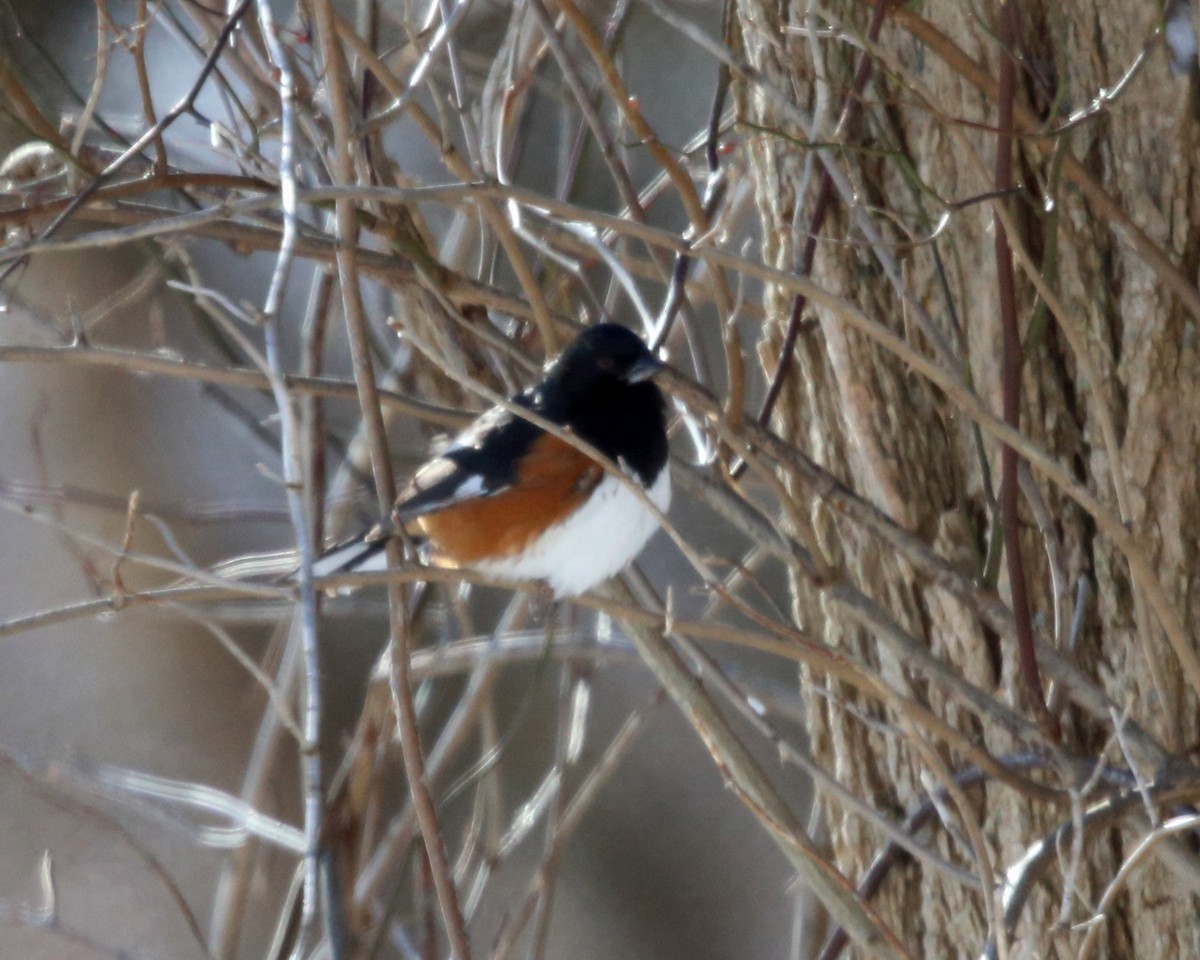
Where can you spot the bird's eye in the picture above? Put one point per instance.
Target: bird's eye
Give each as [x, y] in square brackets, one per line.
[605, 363]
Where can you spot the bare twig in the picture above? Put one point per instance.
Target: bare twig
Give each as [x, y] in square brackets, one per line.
[850, 111]
[1013, 359]
[182, 107]
[410, 743]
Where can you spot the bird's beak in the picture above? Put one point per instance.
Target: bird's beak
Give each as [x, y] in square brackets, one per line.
[644, 369]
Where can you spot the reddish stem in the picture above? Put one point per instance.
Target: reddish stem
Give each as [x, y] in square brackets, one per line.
[1013, 358]
[850, 112]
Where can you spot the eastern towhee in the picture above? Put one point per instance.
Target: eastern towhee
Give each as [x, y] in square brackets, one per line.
[508, 499]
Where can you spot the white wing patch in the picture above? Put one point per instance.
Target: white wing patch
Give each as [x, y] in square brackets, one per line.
[430, 489]
[593, 543]
[474, 435]
[471, 487]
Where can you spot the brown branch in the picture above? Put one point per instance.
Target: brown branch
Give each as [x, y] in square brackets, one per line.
[385, 487]
[1168, 272]
[137, 50]
[1012, 362]
[118, 359]
[534, 305]
[183, 106]
[26, 110]
[850, 111]
[745, 776]
[984, 604]
[1173, 788]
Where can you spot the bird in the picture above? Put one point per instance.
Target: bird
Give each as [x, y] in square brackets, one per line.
[508, 499]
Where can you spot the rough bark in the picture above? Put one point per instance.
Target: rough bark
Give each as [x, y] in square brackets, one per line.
[928, 127]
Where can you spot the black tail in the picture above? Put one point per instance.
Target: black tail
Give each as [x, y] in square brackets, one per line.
[351, 556]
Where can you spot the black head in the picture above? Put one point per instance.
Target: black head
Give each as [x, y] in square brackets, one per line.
[601, 388]
[604, 355]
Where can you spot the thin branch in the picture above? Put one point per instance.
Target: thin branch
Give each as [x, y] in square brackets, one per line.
[747, 779]
[45, 786]
[850, 111]
[183, 106]
[1183, 823]
[1168, 272]
[364, 376]
[1013, 358]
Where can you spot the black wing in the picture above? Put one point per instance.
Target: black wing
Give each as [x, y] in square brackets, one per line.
[479, 462]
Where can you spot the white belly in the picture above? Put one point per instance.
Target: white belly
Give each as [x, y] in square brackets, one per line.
[591, 545]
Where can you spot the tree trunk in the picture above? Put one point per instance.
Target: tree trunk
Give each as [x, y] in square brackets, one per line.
[1106, 209]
